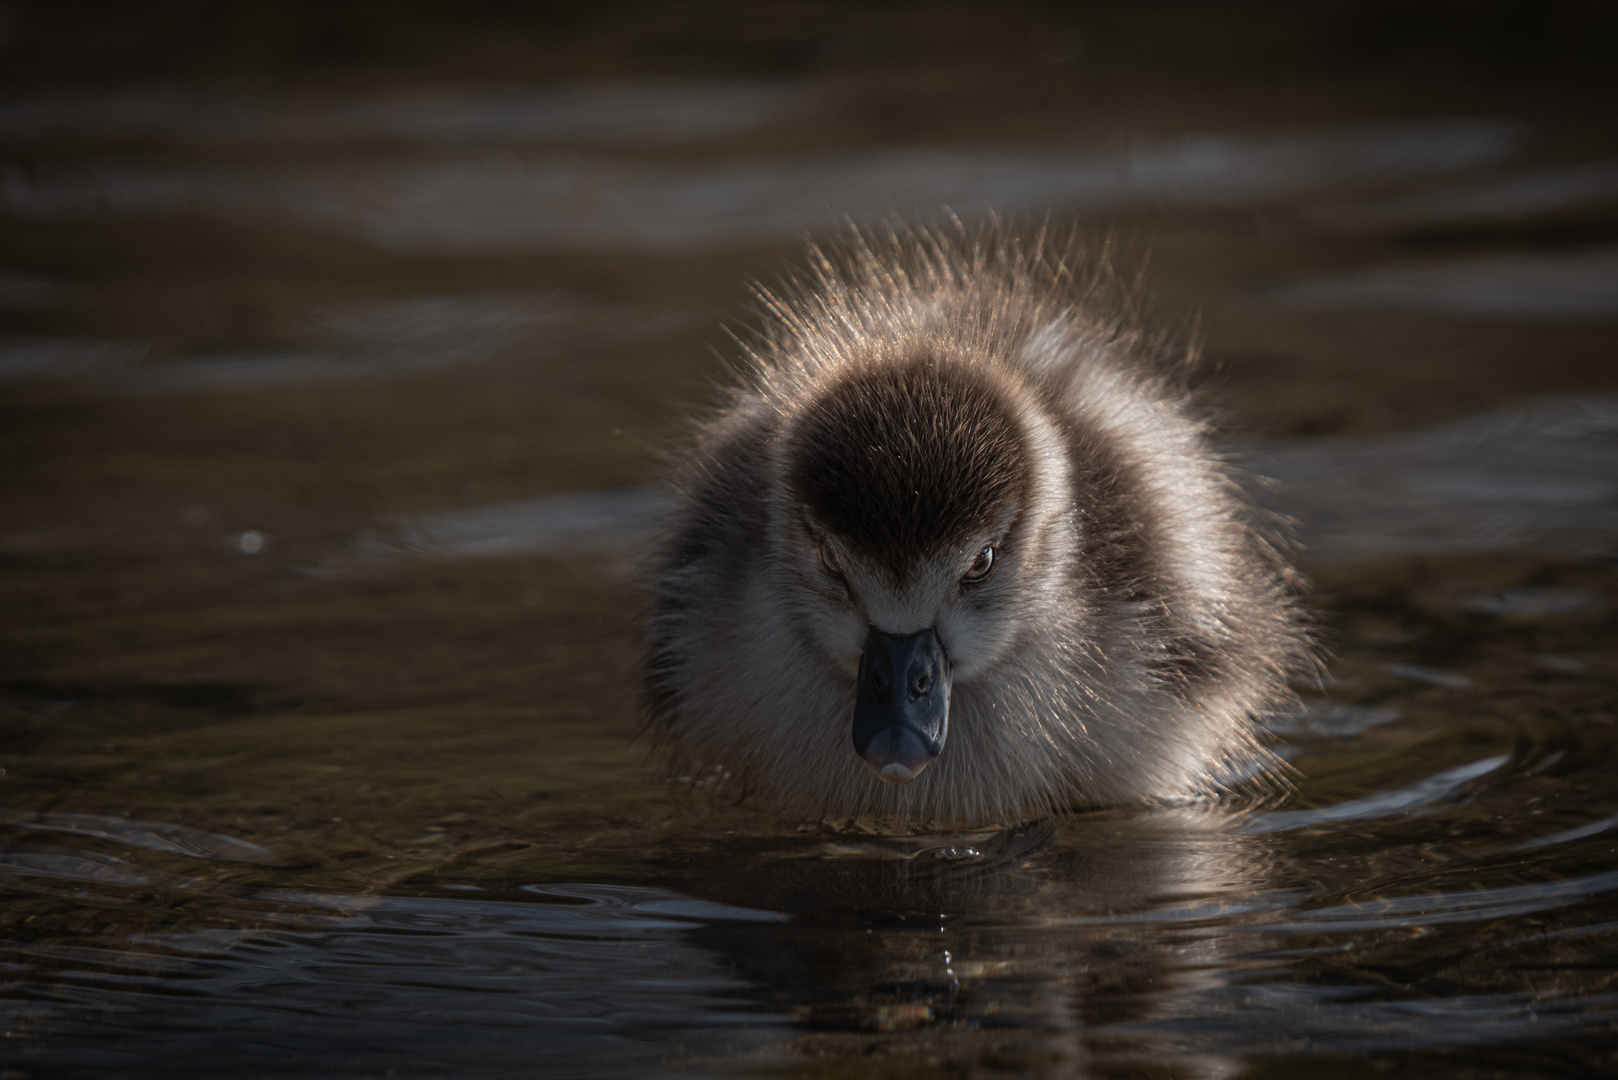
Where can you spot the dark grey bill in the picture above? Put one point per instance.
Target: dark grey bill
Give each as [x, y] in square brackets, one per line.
[901, 713]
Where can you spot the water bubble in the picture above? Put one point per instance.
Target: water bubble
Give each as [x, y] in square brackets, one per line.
[956, 854]
[250, 542]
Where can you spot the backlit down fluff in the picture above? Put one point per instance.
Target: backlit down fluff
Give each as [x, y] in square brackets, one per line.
[958, 549]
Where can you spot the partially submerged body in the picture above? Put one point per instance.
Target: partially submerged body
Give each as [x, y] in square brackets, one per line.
[959, 550]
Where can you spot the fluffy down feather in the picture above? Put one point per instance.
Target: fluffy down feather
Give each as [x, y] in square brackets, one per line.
[917, 398]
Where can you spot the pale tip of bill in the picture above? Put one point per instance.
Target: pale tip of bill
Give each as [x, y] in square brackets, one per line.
[895, 773]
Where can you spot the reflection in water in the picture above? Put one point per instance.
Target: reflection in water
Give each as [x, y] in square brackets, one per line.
[58, 358]
[1546, 477]
[575, 203]
[582, 981]
[1426, 792]
[417, 334]
[152, 835]
[1430, 675]
[1334, 719]
[1042, 936]
[1561, 287]
[622, 519]
[1099, 941]
[644, 112]
[1537, 602]
[1510, 197]
[1543, 477]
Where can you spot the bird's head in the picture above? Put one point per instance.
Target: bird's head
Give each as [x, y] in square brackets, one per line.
[914, 510]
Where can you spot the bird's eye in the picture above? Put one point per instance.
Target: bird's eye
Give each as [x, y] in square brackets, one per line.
[828, 563]
[982, 566]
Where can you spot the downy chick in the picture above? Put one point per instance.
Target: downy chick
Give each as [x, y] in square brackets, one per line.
[958, 549]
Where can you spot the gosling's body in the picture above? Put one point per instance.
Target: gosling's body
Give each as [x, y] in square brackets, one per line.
[913, 415]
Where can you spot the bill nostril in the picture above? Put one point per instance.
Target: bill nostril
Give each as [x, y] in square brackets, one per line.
[921, 684]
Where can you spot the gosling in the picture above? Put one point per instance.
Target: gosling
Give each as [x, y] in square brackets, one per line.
[958, 549]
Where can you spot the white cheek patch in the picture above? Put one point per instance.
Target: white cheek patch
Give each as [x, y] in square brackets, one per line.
[980, 627]
[832, 625]
[973, 634]
[837, 630]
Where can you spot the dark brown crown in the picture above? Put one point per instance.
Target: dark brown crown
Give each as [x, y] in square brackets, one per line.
[902, 462]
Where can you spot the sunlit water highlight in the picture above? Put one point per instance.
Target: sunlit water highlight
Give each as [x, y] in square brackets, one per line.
[610, 980]
[1544, 477]
[572, 202]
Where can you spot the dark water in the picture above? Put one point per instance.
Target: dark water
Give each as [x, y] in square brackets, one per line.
[329, 414]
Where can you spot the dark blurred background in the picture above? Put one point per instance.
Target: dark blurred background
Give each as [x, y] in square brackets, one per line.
[1504, 47]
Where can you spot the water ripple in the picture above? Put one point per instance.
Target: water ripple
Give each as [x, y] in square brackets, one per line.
[1426, 792]
[1545, 476]
[152, 835]
[583, 204]
[591, 988]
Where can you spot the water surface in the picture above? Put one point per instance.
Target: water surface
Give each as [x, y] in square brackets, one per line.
[330, 423]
